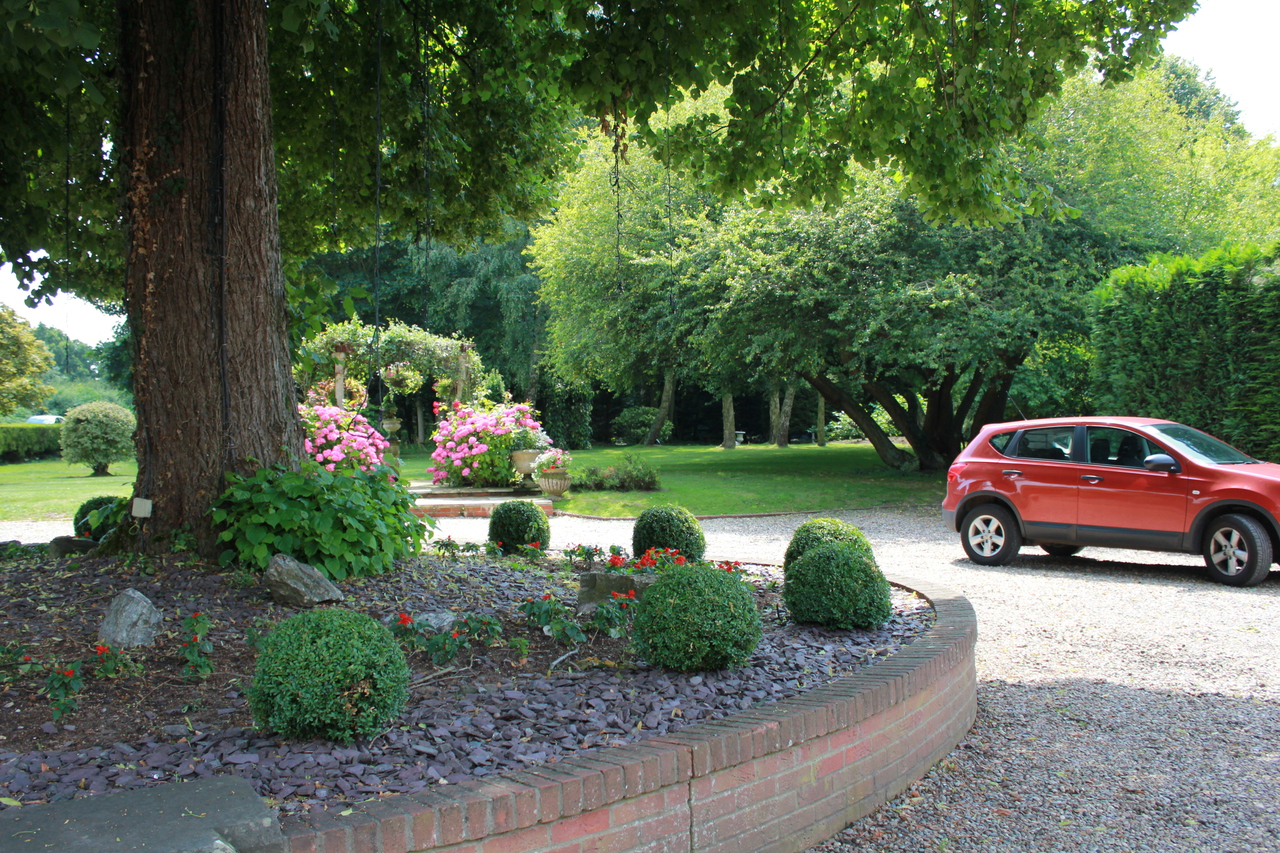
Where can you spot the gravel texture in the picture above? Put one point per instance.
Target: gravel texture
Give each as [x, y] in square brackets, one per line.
[1125, 702]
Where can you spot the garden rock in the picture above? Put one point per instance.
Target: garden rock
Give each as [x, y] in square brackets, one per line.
[296, 584]
[65, 546]
[595, 587]
[132, 620]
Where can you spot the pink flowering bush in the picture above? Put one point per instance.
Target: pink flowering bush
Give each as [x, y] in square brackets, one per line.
[341, 440]
[473, 445]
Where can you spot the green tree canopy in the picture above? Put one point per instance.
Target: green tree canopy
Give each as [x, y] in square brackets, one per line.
[23, 361]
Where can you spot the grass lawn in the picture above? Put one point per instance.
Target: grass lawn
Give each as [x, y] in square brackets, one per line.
[34, 491]
[749, 479]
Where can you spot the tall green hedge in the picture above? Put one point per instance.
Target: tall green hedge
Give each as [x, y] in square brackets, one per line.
[1194, 340]
[28, 441]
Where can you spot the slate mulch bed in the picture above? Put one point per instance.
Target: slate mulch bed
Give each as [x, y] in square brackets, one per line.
[489, 711]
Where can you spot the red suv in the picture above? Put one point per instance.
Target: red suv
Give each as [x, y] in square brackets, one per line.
[1139, 483]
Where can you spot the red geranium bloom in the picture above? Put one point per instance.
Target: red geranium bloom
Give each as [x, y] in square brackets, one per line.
[405, 619]
[546, 597]
[101, 650]
[535, 544]
[616, 560]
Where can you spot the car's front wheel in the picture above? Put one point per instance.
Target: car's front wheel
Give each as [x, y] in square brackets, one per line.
[1061, 550]
[1237, 551]
[990, 536]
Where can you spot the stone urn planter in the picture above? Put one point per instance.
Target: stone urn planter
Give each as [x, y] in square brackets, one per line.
[554, 482]
[522, 461]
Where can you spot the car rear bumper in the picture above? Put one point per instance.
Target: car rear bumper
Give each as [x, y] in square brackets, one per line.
[949, 518]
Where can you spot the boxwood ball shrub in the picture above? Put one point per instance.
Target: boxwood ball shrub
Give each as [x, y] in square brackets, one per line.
[820, 531]
[97, 434]
[330, 674]
[837, 585]
[668, 526]
[83, 526]
[518, 523]
[696, 618]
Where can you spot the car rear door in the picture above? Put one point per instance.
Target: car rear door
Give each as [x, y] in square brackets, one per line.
[1121, 503]
[1043, 483]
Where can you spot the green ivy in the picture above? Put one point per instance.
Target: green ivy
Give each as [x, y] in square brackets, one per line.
[343, 524]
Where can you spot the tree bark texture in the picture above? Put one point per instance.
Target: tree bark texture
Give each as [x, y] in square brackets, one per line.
[204, 285]
[729, 435]
[820, 431]
[664, 407]
[892, 456]
[783, 431]
[775, 408]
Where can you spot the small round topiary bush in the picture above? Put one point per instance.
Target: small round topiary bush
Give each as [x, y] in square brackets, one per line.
[837, 585]
[97, 434]
[80, 523]
[668, 526]
[820, 531]
[518, 523]
[697, 618]
[330, 674]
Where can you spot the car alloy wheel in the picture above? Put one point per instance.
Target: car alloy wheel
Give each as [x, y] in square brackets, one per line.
[990, 536]
[1237, 551]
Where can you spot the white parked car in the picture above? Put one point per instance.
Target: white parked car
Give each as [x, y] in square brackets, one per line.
[45, 419]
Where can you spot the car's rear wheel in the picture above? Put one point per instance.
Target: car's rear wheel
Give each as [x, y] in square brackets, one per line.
[990, 536]
[1061, 550]
[1237, 551]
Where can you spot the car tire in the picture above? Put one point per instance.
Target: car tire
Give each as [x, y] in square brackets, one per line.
[1061, 550]
[990, 535]
[1237, 551]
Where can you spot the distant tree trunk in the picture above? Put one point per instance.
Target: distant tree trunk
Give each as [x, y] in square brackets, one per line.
[204, 287]
[664, 407]
[783, 436]
[892, 456]
[729, 436]
[775, 409]
[820, 431]
[422, 423]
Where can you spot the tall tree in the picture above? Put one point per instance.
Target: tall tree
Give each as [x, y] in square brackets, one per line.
[23, 361]
[927, 88]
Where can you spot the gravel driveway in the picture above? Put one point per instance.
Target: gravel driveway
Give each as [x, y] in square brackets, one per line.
[1125, 702]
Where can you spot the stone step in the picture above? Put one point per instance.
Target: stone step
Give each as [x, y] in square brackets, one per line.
[471, 507]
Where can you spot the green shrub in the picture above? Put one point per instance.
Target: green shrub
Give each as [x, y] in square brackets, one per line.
[343, 524]
[668, 526]
[518, 523]
[820, 531]
[633, 425]
[329, 674]
[29, 441]
[696, 618]
[106, 507]
[633, 475]
[97, 434]
[837, 585]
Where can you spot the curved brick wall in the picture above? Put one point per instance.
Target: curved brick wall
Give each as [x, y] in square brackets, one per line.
[778, 779]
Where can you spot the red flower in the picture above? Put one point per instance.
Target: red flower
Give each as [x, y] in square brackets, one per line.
[26, 657]
[631, 593]
[194, 615]
[680, 561]
[616, 560]
[535, 544]
[405, 619]
[70, 673]
[546, 597]
[195, 638]
[455, 635]
[101, 650]
[617, 595]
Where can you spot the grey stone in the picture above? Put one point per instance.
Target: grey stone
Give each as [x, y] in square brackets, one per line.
[595, 587]
[132, 620]
[175, 731]
[296, 584]
[219, 815]
[439, 621]
[65, 546]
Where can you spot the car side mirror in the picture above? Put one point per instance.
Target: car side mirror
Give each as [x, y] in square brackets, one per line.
[1162, 463]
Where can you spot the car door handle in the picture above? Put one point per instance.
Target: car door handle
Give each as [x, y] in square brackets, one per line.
[1011, 473]
[1092, 478]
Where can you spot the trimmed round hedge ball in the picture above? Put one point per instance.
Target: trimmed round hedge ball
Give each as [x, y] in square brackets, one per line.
[329, 674]
[668, 526]
[80, 523]
[697, 618]
[820, 531]
[837, 585]
[98, 434]
[518, 523]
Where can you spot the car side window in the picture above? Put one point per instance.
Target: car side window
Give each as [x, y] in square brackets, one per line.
[1111, 446]
[1046, 443]
[1001, 442]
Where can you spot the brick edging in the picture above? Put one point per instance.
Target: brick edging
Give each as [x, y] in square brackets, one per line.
[777, 778]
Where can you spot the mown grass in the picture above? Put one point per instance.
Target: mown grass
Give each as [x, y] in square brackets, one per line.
[35, 491]
[705, 480]
[749, 479]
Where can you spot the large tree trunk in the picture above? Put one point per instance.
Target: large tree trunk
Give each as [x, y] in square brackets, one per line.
[890, 454]
[820, 431]
[775, 408]
[909, 420]
[782, 434]
[664, 407]
[204, 285]
[729, 435]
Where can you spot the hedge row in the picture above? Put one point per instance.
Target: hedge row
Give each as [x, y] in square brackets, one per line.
[1194, 340]
[28, 441]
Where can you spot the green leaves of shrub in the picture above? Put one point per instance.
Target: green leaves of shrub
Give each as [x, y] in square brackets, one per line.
[344, 524]
[697, 618]
[668, 526]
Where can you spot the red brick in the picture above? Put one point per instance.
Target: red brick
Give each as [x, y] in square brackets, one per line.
[422, 820]
[365, 833]
[570, 788]
[639, 808]
[546, 793]
[520, 841]
[585, 824]
[612, 778]
[395, 824]
[631, 766]
[502, 804]
[300, 839]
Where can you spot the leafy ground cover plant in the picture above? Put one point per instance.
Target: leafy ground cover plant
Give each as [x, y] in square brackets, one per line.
[196, 647]
[633, 474]
[343, 524]
[96, 517]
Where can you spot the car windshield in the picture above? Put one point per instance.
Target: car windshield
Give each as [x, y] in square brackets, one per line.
[1202, 445]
